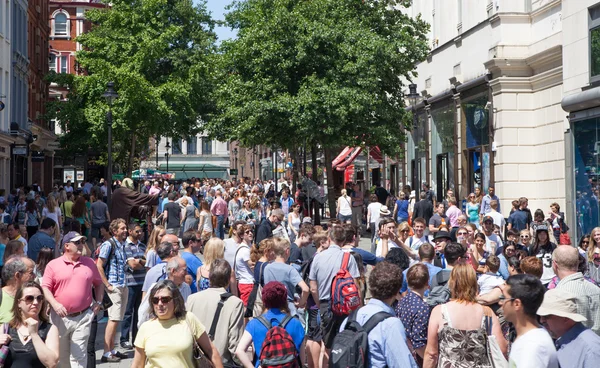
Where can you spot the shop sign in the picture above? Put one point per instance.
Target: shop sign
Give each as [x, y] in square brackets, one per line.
[68, 175]
[37, 156]
[20, 150]
[233, 171]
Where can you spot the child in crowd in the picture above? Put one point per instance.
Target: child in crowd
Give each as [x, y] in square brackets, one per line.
[490, 279]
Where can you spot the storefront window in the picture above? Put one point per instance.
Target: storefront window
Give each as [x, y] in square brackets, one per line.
[476, 122]
[442, 149]
[476, 138]
[417, 147]
[586, 136]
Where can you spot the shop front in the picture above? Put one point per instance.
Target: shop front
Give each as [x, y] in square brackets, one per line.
[442, 147]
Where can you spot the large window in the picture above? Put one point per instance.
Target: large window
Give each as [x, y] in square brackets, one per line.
[206, 146]
[177, 146]
[442, 148]
[586, 160]
[475, 134]
[594, 39]
[192, 145]
[61, 24]
[52, 63]
[64, 64]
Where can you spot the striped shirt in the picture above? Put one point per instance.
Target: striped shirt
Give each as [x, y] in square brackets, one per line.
[136, 251]
[588, 298]
[116, 267]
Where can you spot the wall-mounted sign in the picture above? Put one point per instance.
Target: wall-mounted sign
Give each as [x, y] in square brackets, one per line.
[20, 150]
[68, 174]
[37, 156]
[80, 175]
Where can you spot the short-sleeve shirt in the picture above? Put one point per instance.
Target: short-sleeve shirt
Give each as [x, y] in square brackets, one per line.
[285, 274]
[136, 251]
[436, 220]
[518, 220]
[71, 283]
[156, 273]
[116, 268]
[308, 251]
[169, 343]
[258, 331]
[192, 263]
[6, 314]
[99, 210]
[414, 313]
[173, 215]
[243, 272]
[295, 254]
[326, 265]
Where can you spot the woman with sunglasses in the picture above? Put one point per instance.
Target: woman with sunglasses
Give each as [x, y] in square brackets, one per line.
[583, 245]
[169, 337]
[509, 250]
[33, 340]
[594, 266]
[524, 240]
[473, 209]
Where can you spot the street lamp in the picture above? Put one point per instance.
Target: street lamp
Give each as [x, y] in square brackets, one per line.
[242, 166]
[167, 148]
[110, 95]
[252, 168]
[413, 96]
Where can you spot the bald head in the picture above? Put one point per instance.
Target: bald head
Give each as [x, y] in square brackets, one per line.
[566, 258]
[170, 238]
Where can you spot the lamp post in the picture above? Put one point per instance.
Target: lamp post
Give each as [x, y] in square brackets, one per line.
[252, 168]
[110, 95]
[235, 153]
[167, 148]
[157, 141]
[413, 96]
[242, 166]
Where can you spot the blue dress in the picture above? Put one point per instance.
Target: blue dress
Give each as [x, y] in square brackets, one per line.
[473, 213]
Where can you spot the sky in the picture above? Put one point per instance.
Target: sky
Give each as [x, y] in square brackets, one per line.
[217, 9]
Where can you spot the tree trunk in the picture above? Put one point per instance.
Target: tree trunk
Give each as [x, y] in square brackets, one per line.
[330, 190]
[131, 157]
[315, 169]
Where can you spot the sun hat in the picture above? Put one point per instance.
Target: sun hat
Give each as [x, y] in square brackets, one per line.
[560, 303]
[384, 211]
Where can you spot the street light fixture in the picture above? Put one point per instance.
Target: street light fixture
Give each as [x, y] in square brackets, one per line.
[235, 153]
[167, 148]
[413, 96]
[110, 95]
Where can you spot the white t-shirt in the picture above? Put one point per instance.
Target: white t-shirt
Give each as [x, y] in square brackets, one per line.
[374, 208]
[53, 215]
[345, 209]
[391, 245]
[489, 245]
[533, 349]
[230, 247]
[498, 219]
[243, 272]
[488, 281]
[415, 243]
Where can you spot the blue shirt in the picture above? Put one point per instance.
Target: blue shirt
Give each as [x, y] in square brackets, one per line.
[402, 209]
[192, 263]
[518, 220]
[161, 204]
[258, 331]
[156, 273]
[116, 268]
[485, 204]
[414, 314]
[578, 348]
[503, 267]
[37, 242]
[368, 257]
[433, 270]
[387, 341]
[135, 251]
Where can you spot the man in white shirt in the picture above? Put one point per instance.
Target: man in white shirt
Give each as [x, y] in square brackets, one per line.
[521, 297]
[493, 243]
[497, 216]
[415, 241]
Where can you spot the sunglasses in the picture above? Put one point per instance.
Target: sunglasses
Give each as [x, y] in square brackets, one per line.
[81, 242]
[585, 242]
[503, 299]
[30, 298]
[163, 299]
[405, 231]
[525, 236]
[248, 232]
[462, 233]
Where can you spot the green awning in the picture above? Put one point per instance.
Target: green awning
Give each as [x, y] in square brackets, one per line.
[187, 171]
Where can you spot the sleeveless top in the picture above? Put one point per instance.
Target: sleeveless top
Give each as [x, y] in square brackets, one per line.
[462, 348]
[296, 222]
[473, 212]
[24, 355]
[203, 283]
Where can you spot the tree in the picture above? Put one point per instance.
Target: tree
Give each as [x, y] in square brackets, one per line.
[328, 72]
[160, 55]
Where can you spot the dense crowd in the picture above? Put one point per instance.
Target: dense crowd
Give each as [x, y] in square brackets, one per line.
[237, 273]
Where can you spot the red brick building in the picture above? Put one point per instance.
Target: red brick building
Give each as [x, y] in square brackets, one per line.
[42, 149]
[66, 22]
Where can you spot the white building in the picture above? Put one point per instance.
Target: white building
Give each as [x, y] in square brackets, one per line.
[197, 157]
[5, 82]
[490, 112]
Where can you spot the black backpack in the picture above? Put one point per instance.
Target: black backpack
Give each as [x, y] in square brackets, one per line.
[440, 293]
[351, 347]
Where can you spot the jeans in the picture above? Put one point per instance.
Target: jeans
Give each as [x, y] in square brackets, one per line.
[130, 320]
[220, 226]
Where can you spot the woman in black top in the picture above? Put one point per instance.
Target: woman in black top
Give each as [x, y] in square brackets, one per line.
[33, 340]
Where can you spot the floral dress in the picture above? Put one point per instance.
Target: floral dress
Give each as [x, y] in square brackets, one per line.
[462, 348]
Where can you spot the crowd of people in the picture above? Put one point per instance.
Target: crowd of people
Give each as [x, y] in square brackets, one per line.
[237, 273]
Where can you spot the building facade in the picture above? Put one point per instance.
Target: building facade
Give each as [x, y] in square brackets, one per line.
[193, 157]
[581, 77]
[6, 140]
[66, 21]
[488, 111]
[40, 164]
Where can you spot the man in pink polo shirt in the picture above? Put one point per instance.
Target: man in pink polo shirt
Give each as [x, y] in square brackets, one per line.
[67, 285]
[219, 209]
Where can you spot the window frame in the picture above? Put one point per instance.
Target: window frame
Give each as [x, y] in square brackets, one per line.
[67, 24]
[60, 66]
[207, 143]
[192, 145]
[50, 57]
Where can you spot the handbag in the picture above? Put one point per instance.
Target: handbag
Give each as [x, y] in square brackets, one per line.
[496, 356]
[198, 357]
[564, 239]
[4, 350]
[255, 303]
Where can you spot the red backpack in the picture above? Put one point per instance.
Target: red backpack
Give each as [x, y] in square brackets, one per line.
[344, 292]
[278, 348]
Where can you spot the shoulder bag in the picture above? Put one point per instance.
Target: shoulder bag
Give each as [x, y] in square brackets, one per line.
[198, 357]
[496, 357]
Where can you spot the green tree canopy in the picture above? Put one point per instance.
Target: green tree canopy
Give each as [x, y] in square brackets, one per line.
[330, 72]
[160, 55]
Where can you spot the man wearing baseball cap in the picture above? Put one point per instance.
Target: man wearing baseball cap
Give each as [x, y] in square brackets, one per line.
[493, 243]
[577, 345]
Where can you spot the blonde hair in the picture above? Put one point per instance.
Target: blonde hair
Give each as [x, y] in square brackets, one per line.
[280, 245]
[213, 249]
[344, 192]
[592, 246]
[463, 284]
[51, 204]
[153, 239]
[403, 226]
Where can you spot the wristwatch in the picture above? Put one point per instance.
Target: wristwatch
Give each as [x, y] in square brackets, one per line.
[97, 303]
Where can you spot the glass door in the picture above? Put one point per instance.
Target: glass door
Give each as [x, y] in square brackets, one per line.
[442, 175]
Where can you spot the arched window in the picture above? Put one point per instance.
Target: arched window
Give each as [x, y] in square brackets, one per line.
[61, 24]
